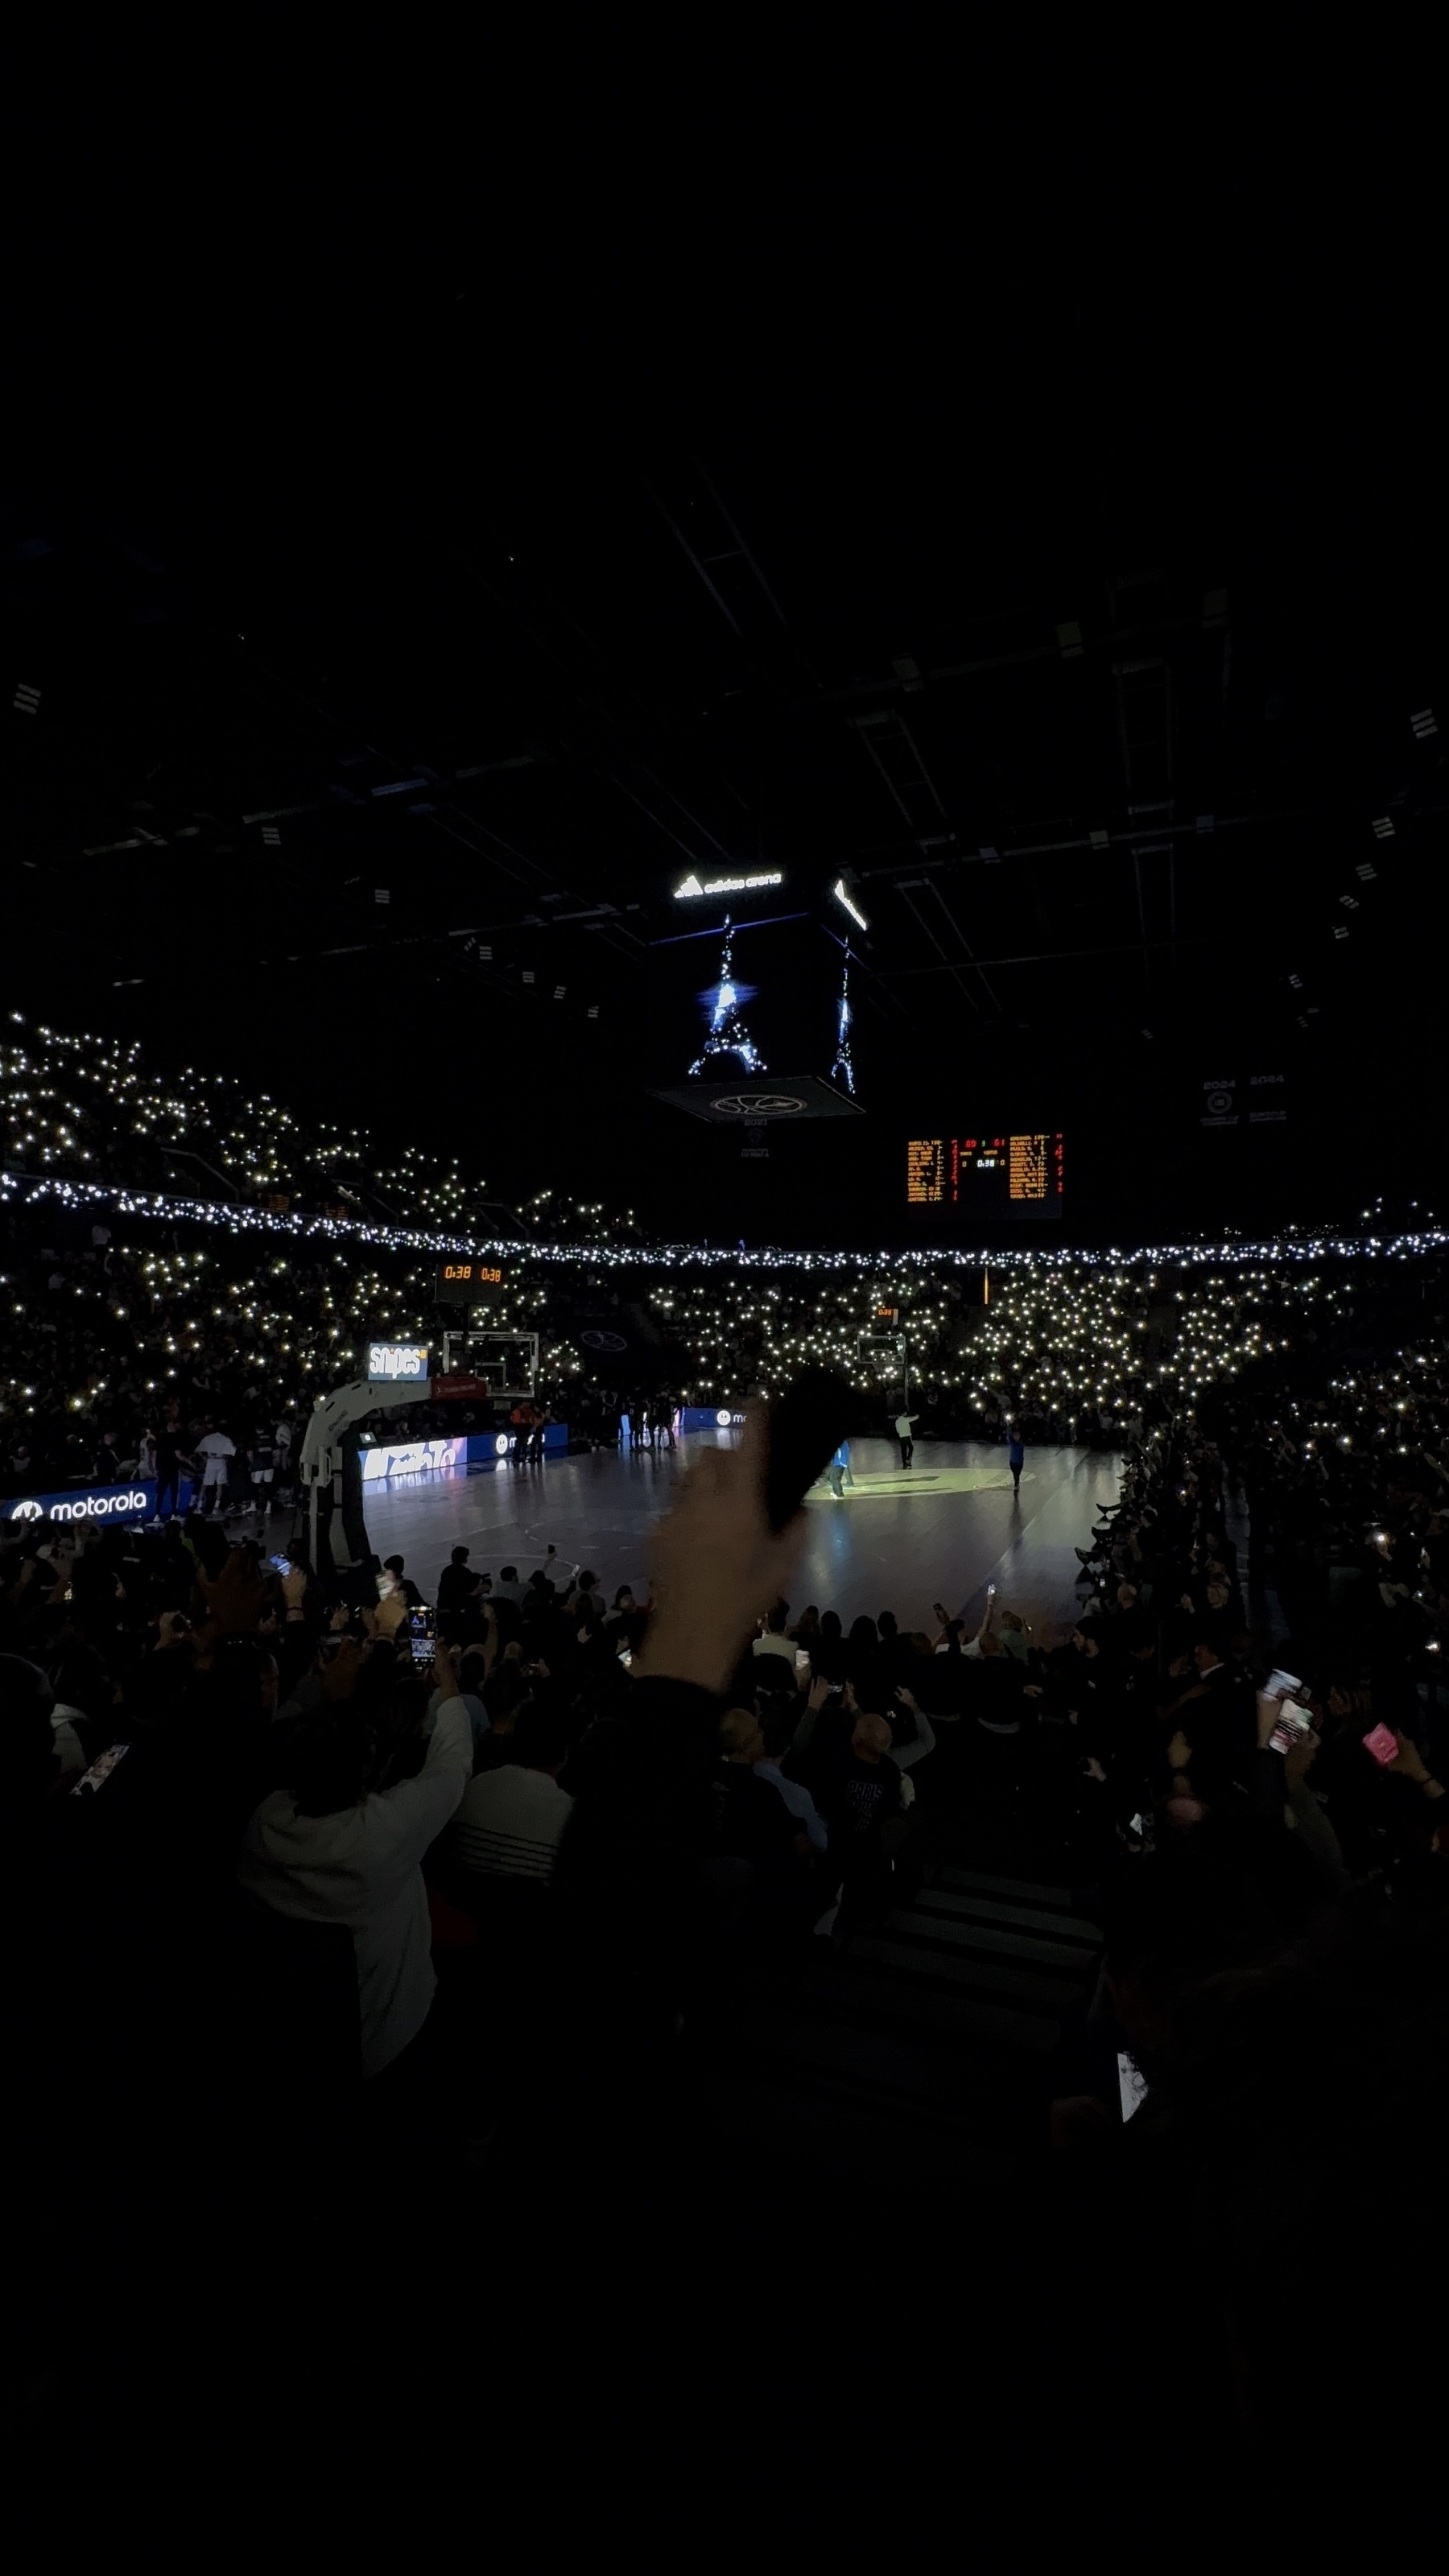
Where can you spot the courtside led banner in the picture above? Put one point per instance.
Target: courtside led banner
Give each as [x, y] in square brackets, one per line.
[412, 1458]
[93, 1503]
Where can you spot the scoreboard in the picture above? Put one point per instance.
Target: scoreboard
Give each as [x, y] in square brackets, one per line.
[987, 1176]
[462, 1283]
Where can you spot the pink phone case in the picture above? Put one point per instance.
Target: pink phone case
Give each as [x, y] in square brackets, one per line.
[1381, 1743]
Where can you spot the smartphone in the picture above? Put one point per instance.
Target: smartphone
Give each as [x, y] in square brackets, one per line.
[802, 1659]
[1131, 2083]
[101, 1769]
[1288, 1683]
[990, 1590]
[626, 1658]
[1293, 1724]
[283, 1564]
[1382, 1743]
[422, 1649]
[422, 1622]
[807, 1425]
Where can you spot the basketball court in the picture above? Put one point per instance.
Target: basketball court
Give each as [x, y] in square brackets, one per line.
[900, 1539]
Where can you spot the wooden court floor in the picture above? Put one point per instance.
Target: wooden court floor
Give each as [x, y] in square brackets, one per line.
[899, 1541]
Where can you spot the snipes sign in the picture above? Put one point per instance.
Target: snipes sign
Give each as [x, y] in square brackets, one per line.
[397, 1363]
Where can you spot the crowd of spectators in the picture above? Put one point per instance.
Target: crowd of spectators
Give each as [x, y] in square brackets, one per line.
[106, 1328]
[93, 1109]
[497, 1839]
[467, 1853]
[111, 1315]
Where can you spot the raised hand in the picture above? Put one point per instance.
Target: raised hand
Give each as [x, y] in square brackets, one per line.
[716, 1558]
[1301, 1755]
[339, 1673]
[1410, 1761]
[235, 1601]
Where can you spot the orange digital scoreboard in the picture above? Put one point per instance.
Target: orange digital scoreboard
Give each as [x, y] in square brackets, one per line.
[985, 1176]
[460, 1282]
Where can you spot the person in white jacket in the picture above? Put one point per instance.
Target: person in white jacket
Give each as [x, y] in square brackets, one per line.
[337, 1850]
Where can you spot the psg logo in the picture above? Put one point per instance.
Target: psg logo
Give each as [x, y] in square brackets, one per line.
[604, 1341]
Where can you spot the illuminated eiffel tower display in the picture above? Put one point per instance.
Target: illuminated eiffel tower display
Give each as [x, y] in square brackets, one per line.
[842, 1069]
[727, 1032]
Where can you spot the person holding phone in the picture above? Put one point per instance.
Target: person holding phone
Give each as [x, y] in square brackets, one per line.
[865, 1796]
[1288, 1747]
[344, 1842]
[1395, 1752]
